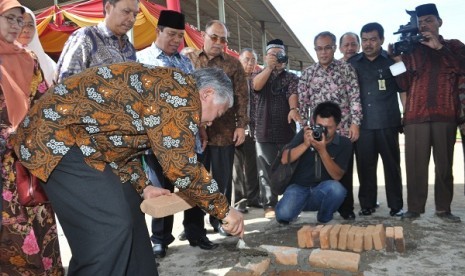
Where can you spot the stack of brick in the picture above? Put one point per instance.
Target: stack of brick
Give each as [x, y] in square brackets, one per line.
[352, 238]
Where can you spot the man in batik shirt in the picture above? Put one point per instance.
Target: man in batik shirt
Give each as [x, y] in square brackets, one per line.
[336, 81]
[83, 140]
[105, 43]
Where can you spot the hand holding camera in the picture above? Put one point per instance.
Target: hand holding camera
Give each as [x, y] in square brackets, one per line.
[315, 136]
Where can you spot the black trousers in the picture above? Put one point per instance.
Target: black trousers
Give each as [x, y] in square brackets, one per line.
[162, 228]
[220, 160]
[245, 177]
[266, 153]
[347, 181]
[371, 143]
[101, 218]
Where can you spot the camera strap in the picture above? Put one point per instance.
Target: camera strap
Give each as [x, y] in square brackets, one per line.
[317, 167]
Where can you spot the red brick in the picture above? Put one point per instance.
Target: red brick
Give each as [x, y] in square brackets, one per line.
[284, 255]
[379, 237]
[333, 259]
[351, 237]
[342, 243]
[304, 237]
[324, 236]
[358, 239]
[368, 238]
[316, 235]
[399, 239]
[333, 236]
[252, 269]
[390, 246]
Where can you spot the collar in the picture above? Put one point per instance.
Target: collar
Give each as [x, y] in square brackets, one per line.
[159, 52]
[333, 64]
[103, 28]
[201, 52]
[336, 140]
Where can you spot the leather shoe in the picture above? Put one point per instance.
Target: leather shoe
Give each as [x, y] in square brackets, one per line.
[348, 216]
[396, 212]
[366, 211]
[204, 243]
[220, 230]
[410, 215]
[182, 236]
[159, 250]
[447, 216]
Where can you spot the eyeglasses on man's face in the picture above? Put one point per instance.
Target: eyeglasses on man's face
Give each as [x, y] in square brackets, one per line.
[11, 19]
[327, 48]
[215, 38]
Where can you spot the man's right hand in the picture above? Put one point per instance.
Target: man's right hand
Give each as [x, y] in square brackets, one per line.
[233, 223]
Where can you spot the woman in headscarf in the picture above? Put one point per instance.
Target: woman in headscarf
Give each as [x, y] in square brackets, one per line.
[29, 39]
[28, 236]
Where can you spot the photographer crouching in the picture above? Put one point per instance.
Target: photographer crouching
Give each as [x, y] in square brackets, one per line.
[324, 156]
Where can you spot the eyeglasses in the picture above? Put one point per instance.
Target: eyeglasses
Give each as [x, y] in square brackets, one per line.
[324, 49]
[215, 38]
[14, 20]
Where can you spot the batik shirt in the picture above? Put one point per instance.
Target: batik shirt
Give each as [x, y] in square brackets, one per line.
[221, 132]
[114, 114]
[93, 46]
[338, 83]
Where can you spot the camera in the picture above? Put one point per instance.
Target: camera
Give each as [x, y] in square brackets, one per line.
[281, 57]
[318, 131]
[409, 36]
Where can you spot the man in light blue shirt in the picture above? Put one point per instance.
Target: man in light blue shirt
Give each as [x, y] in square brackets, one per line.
[164, 52]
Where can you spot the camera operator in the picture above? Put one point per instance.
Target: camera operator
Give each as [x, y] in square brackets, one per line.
[277, 107]
[431, 113]
[315, 184]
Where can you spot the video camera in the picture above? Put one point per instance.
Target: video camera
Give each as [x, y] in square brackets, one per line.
[409, 36]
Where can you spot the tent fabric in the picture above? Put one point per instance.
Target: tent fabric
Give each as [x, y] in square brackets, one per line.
[57, 23]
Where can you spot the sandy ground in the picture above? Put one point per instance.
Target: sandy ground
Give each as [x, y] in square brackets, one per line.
[433, 247]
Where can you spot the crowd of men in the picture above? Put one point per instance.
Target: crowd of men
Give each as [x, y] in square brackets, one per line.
[175, 125]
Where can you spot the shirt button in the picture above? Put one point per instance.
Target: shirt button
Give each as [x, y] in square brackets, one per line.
[369, 104]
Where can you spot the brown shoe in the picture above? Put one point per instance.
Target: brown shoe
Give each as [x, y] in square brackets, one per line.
[269, 213]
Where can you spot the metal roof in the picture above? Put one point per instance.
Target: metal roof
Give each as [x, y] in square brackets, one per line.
[245, 20]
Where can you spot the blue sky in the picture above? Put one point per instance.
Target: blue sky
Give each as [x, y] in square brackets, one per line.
[307, 18]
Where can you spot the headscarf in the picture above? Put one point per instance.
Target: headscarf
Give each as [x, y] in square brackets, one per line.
[16, 72]
[47, 64]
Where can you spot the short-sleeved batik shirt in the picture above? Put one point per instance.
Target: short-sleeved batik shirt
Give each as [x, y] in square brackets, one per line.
[113, 114]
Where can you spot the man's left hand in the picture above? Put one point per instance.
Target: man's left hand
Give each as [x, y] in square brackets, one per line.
[239, 136]
[152, 191]
[354, 133]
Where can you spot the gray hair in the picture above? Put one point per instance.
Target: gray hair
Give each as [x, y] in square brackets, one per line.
[248, 50]
[325, 34]
[216, 79]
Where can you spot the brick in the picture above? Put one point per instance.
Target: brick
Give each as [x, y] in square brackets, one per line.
[390, 246]
[342, 243]
[333, 259]
[166, 205]
[358, 239]
[368, 237]
[324, 236]
[399, 239]
[257, 268]
[333, 236]
[379, 237]
[316, 235]
[283, 254]
[351, 237]
[304, 237]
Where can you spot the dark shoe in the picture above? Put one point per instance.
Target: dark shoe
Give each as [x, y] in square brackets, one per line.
[242, 209]
[377, 205]
[396, 212]
[204, 243]
[366, 211]
[182, 236]
[221, 231]
[159, 250]
[410, 215]
[348, 216]
[447, 216]
[254, 204]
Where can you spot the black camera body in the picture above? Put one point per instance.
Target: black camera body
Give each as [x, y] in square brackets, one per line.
[281, 57]
[409, 36]
[318, 131]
